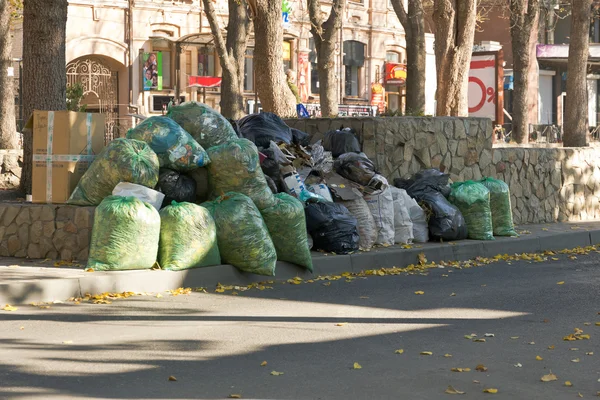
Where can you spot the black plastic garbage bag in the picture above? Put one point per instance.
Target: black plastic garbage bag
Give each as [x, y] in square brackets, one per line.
[263, 127]
[424, 181]
[299, 137]
[341, 141]
[446, 221]
[355, 167]
[332, 227]
[176, 186]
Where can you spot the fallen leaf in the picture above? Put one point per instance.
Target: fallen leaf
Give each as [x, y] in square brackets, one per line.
[426, 353]
[490, 390]
[546, 321]
[587, 323]
[67, 342]
[275, 373]
[263, 364]
[469, 337]
[22, 328]
[568, 384]
[575, 360]
[531, 343]
[551, 347]
[489, 335]
[482, 340]
[419, 292]
[452, 390]
[342, 324]
[514, 337]
[555, 258]
[589, 353]
[172, 378]
[460, 369]
[89, 270]
[549, 377]
[447, 355]
[481, 368]
[235, 396]
[579, 394]
[538, 358]
[158, 295]
[399, 351]
[357, 366]
[8, 307]
[476, 382]
[327, 284]
[452, 294]
[363, 297]
[518, 365]
[574, 349]
[545, 229]
[560, 283]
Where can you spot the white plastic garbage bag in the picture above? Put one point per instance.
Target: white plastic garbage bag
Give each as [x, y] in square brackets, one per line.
[367, 230]
[403, 225]
[382, 209]
[417, 217]
[143, 193]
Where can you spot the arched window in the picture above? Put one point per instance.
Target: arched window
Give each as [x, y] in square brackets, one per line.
[354, 61]
[394, 93]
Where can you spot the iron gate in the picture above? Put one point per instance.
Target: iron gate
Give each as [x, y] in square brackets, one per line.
[96, 78]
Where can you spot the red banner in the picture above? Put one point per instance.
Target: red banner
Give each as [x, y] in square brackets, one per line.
[395, 74]
[204, 81]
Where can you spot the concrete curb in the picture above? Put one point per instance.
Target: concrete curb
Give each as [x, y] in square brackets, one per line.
[79, 282]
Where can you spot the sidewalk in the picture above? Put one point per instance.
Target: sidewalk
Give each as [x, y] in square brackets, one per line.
[26, 281]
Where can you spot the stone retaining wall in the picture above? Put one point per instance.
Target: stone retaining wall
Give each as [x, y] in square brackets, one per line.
[547, 184]
[45, 231]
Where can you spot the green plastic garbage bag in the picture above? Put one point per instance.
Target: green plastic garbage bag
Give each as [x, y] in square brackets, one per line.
[206, 125]
[125, 235]
[501, 210]
[243, 238]
[473, 201]
[235, 167]
[188, 237]
[123, 160]
[287, 225]
[176, 149]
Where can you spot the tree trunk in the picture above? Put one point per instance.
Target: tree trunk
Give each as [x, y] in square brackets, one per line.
[454, 34]
[44, 66]
[231, 54]
[524, 17]
[8, 126]
[576, 110]
[413, 23]
[325, 36]
[273, 90]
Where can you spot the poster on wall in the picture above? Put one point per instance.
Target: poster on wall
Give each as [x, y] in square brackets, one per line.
[378, 97]
[395, 74]
[486, 81]
[286, 11]
[152, 71]
[303, 64]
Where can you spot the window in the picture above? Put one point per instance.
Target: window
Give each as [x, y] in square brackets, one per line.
[249, 71]
[314, 70]
[354, 60]
[392, 56]
[287, 55]
[206, 61]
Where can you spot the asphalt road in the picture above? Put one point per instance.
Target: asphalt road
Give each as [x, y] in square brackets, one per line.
[214, 344]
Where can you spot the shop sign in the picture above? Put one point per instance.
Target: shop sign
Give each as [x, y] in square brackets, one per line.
[395, 74]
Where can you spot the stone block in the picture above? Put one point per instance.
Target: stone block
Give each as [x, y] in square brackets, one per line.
[65, 213]
[496, 156]
[4, 249]
[442, 141]
[10, 214]
[13, 245]
[49, 229]
[83, 217]
[23, 217]
[59, 238]
[33, 251]
[436, 161]
[35, 212]
[485, 158]
[70, 227]
[46, 246]
[66, 254]
[47, 213]
[23, 233]
[462, 148]
[476, 173]
[36, 231]
[83, 255]
[52, 255]
[471, 157]
[422, 155]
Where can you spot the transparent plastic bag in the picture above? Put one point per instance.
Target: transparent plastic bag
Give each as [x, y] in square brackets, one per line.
[176, 149]
[287, 226]
[473, 201]
[123, 160]
[367, 230]
[502, 220]
[403, 226]
[188, 237]
[150, 196]
[242, 235]
[207, 126]
[417, 217]
[125, 235]
[382, 209]
[235, 167]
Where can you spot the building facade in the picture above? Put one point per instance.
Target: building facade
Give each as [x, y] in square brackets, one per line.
[136, 56]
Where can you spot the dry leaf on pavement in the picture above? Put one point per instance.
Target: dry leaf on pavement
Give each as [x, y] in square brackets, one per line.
[560, 283]
[518, 365]
[460, 369]
[549, 377]
[419, 292]
[568, 384]
[275, 373]
[490, 390]
[263, 364]
[399, 351]
[172, 378]
[357, 366]
[452, 390]
[235, 396]
[426, 353]
[447, 355]
[576, 360]
[8, 307]
[538, 358]
[481, 368]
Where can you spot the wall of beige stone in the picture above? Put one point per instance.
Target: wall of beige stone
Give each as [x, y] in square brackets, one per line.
[547, 184]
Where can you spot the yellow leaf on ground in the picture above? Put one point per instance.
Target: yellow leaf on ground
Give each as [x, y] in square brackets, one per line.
[574, 349]
[490, 390]
[597, 324]
[514, 337]
[419, 292]
[538, 358]
[426, 353]
[452, 390]
[263, 364]
[447, 355]
[452, 294]
[342, 324]
[89, 270]
[235, 396]
[555, 258]
[275, 373]
[172, 378]
[357, 366]
[460, 369]
[158, 295]
[560, 283]
[575, 360]
[579, 394]
[549, 377]
[482, 340]
[481, 368]
[589, 353]
[8, 307]
[568, 383]
[399, 351]
[422, 259]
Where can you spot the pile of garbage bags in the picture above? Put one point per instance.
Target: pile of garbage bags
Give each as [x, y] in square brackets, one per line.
[191, 189]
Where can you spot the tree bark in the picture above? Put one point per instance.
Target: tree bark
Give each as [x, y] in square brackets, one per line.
[44, 66]
[455, 22]
[576, 107]
[8, 125]
[413, 22]
[231, 54]
[325, 37]
[271, 84]
[524, 16]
